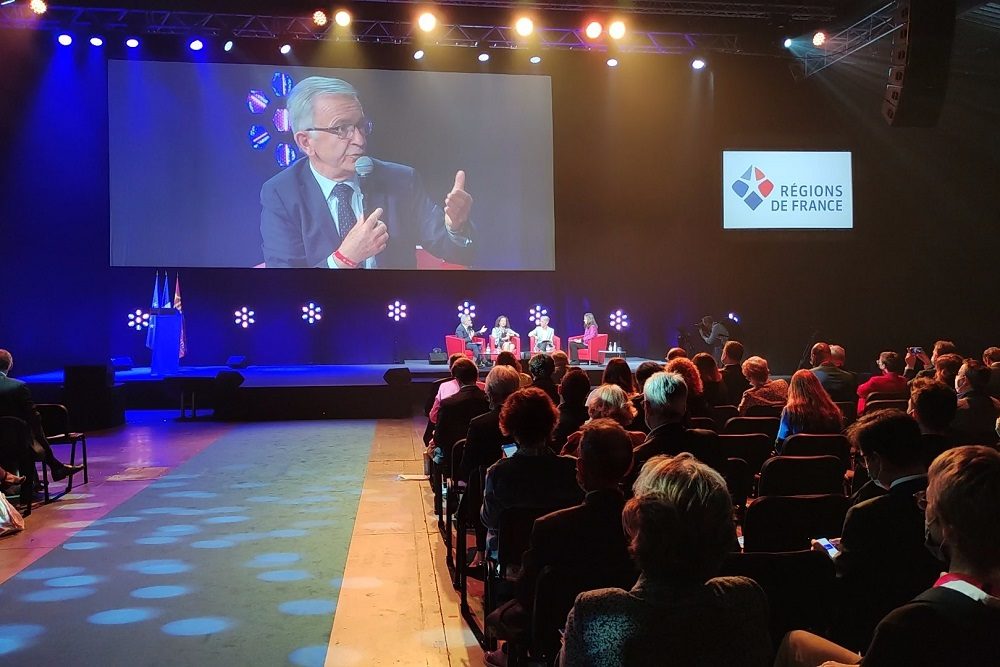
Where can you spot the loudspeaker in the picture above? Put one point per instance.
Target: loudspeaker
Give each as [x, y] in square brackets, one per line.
[237, 361]
[437, 357]
[121, 363]
[919, 62]
[395, 377]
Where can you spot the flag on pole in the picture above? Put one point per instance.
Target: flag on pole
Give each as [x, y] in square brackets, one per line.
[165, 300]
[179, 309]
[150, 331]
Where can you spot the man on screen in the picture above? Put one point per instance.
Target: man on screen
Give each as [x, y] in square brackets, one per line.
[328, 211]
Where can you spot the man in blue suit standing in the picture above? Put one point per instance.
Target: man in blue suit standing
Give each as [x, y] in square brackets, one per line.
[337, 208]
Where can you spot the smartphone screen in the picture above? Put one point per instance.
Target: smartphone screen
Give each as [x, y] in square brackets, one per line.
[831, 550]
[508, 450]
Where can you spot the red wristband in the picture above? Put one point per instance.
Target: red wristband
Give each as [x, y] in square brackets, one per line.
[340, 257]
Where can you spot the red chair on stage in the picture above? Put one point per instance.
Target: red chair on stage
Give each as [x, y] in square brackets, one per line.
[516, 340]
[456, 345]
[556, 343]
[590, 354]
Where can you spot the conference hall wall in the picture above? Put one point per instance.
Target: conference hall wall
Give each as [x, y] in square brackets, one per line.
[637, 206]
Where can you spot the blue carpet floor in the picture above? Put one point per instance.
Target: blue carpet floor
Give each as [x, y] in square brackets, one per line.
[235, 558]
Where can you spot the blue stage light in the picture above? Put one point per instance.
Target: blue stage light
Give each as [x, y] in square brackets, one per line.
[788, 42]
[285, 49]
[467, 308]
[96, 41]
[312, 313]
[618, 320]
[285, 154]
[396, 311]
[132, 42]
[138, 319]
[244, 317]
[65, 39]
[228, 46]
[535, 314]
[196, 45]
[734, 317]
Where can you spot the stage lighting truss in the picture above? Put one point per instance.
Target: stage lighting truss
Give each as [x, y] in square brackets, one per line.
[312, 313]
[618, 320]
[244, 317]
[138, 320]
[535, 314]
[259, 102]
[837, 46]
[397, 311]
[467, 308]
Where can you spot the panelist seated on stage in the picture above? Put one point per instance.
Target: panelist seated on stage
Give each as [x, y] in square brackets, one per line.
[465, 331]
[577, 343]
[543, 336]
[336, 208]
[502, 335]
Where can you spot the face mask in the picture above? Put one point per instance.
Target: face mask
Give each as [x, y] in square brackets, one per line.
[874, 477]
[932, 543]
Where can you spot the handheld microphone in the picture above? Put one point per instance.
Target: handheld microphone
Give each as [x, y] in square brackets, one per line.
[364, 165]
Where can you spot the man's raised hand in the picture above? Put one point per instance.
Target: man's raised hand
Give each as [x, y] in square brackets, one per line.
[457, 205]
[366, 239]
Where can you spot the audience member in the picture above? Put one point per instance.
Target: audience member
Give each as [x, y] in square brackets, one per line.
[911, 359]
[762, 390]
[678, 612]
[882, 561]
[666, 403]
[946, 368]
[484, 440]
[991, 357]
[713, 388]
[617, 372]
[977, 413]
[696, 404]
[675, 352]
[561, 360]
[573, 413]
[839, 384]
[608, 401]
[890, 381]
[587, 539]
[732, 374]
[15, 401]
[643, 372]
[933, 405]
[955, 621]
[541, 367]
[838, 355]
[453, 419]
[534, 476]
[506, 358]
[809, 409]
[445, 387]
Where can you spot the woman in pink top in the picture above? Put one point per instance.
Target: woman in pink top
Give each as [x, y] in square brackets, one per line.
[589, 332]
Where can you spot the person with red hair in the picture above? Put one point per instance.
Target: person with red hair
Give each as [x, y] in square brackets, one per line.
[696, 404]
[809, 409]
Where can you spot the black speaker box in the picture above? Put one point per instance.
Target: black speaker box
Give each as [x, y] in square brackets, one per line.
[919, 63]
[237, 361]
[437, 357]
[121, 363]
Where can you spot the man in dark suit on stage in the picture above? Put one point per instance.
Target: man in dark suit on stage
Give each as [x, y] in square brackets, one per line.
[465, 331]
[665, 398]
[883, 561]
[15, 401]
[335, 208]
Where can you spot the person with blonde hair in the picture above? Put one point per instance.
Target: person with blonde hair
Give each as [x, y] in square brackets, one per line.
[611, 402]
[679, 530]
[763, 390]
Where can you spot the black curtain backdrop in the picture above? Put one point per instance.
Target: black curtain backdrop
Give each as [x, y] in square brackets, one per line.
[637, 205]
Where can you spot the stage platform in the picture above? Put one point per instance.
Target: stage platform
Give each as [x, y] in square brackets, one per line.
[346, 391]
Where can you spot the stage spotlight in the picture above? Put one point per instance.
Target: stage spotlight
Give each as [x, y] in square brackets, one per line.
[535, 314]
[342, 18]
[418, 54]
[228, 46]
[787, 43]
[65, 39]
[319, 18]
[616, 30]
[534, 60]
[38, 6]
[612, 62]
[427, 22]
[466, 308]
[734, 317]
[196, 45]
[484, 57]
[312, 313]
[96, 41]
[524, 26]
[285, 49]
[618, 320]
[138, 319]
[132, 42]
[819, 39]
[244, 317]
[698, 64]
[396, 311]
[593, 30]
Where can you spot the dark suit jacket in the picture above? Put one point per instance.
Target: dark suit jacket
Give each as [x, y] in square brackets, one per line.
[454, 417]
[883, 562]
[994, 388]
[15, 401]
[840, 384]
[482, 444]
[736, 382]
[672, 439]
[589, 536]
[297, 228]
[465, 334]
[548, 386]
[571, 418]
[975, 420]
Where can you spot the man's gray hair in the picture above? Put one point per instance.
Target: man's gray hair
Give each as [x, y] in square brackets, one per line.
[501, 382]
[661, 389]
[301, 100]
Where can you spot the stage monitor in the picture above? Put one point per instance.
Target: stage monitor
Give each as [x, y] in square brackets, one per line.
[230, 165]
[787, 190]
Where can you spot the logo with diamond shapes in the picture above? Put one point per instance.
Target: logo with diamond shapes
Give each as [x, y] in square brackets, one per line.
[753, 187]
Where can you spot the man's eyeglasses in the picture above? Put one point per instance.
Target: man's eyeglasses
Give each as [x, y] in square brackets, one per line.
[921, 498]
[346, 130]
